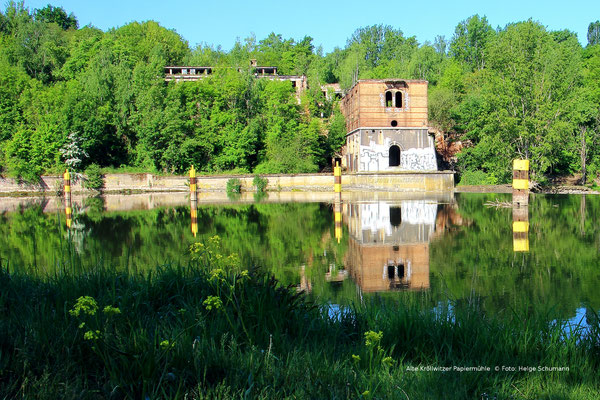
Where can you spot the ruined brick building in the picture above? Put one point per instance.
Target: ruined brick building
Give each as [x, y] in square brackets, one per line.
[387, 127]
[195, 73]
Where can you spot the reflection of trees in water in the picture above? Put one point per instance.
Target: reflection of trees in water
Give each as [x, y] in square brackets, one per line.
[476, 261]
[77, 233]
[276, 237]
[470, 255]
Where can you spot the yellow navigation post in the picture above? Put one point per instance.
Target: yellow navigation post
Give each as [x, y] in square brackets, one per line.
[68, 209]
[520, 182]
[521, 229]
[193, 192]
[337, 178]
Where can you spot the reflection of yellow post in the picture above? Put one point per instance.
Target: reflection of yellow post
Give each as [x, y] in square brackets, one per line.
[337, 206]
[337, 213]
[193, 192]
[68, 209]
[193, 201]
[337, 178]
[520, 182]
[521, 229]
[194, 216]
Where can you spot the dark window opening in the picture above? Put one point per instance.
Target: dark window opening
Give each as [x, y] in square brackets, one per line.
[294, 84]
[398, 99]
[391, 272]
[394, 123]
[394, 156]
[395, 218]
[388, 99]
[401, 271]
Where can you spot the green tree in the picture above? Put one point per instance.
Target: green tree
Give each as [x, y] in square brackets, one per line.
[593, 33]
[57, 15]
[470, 40]
[526, 102]
[37, 47]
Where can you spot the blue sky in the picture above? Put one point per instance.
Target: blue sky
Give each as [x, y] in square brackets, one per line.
[329, 23]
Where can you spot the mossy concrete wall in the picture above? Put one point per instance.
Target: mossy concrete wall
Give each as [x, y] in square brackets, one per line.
[436, 181]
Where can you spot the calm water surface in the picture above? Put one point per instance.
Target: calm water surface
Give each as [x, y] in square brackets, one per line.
[459, 248]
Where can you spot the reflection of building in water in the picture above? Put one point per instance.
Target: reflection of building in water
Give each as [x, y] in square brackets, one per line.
[389, 244]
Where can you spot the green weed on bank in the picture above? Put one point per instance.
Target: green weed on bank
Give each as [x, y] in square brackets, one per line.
[216, 329]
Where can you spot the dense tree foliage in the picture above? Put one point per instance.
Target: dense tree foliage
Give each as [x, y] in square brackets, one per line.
[517, 91]
[102, 96]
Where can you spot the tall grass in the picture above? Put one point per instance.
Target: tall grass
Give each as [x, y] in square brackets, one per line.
[213, 329]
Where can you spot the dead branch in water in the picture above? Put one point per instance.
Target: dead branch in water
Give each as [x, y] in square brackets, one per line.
[498, 204]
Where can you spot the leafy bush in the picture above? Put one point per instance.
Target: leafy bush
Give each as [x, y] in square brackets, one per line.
[234, 186]
[260, 183]
[94, 178]
[478, 177]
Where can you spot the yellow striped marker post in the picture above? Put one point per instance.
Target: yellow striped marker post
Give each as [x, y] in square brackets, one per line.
[68, 209]
[520, 229]
[337, 178]
[520, 182]
[193, 191]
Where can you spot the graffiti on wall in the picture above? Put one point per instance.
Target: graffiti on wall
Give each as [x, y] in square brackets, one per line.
[374, 158]
[418, 160]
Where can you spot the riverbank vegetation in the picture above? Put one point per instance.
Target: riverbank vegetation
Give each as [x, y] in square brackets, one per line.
[214, 329]
[73, 96]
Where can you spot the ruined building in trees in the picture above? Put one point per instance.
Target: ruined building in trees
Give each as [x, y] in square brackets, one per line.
[386, 119]
[194, 73]
[387, 127]
[299, 82]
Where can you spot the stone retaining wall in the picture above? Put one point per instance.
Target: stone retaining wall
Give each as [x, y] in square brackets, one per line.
[436, 181]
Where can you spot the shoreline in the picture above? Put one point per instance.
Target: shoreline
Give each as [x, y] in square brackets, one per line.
[129, 183]
[507, 188]
[382, 182]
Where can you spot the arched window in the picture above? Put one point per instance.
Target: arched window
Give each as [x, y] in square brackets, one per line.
[391, 272]
[394, 156]
[395, 219]
[401, 271]
[398, 99]
[388, 99]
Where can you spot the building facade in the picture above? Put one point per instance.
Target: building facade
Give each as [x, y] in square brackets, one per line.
[195, 73]
[387, 127]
